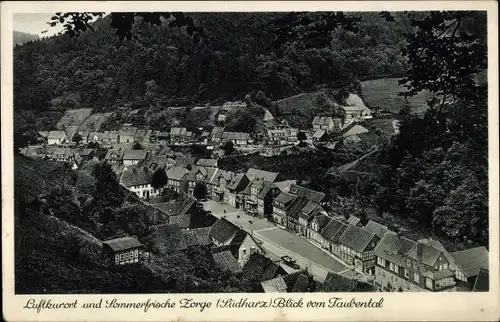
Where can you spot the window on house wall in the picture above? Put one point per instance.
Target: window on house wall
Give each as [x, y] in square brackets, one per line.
[416, 277]
[407, 273]
[428, 283]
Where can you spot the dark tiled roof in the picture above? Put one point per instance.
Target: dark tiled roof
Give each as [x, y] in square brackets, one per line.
[257, 174]
[207, 163]
[424, 253]
[226, 261]
[135, 155]
[177, 173]
[136, 176]
[223, 230]
[235, 136]
[301, 284]
[284, 198]
[274, 285]
[471, 260]
[270, 270]
[285, 185]
[260, 267]
[339, 283]
[178, 207]
[482, 283]
[309, 207]
[122, 243]
[353, 220]
[356, 238]
[233, 185]
[322, 220]
[266, 188]
[113, 154]
[296, 206]
[393, 247]
[310, 194]
[376, 228]
[178, 131]
[333, 230]
[319, 134]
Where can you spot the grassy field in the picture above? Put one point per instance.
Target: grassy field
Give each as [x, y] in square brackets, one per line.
[74, 117]
[94, 121]
[298, 104]
[384, 93]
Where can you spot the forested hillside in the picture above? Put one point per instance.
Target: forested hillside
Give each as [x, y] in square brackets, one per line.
[23, 37]
[434, 173]
[162, 66]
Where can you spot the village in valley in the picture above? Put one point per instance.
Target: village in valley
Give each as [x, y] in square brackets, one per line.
[261, 224]
[167, 169]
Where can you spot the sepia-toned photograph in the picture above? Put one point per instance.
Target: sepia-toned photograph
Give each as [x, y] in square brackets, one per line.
[233, 152]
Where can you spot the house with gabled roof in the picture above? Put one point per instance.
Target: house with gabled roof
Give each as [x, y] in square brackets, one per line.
[178, 134]
[293, 212]
[199, 175]
[122, 251]
[306, 214]
[265, 198]
[338, 283]
[143, 136]
[237, 184]
[218, 183]
[237, 138]
[357, 248]
[263, 175]
[469, 262]
[260, 268]
[319, 135]
[138, 180]
[114, 156]
[178, 211]
[224, 232]
[226, 260]
[281, 204]
[376, 228]
[175, 179]
[316, 225]
[330, 234]
[297, 282]
[134, 157]
[127, 133]
[110, 137]
[324, 123]
[406, 265]
[355, 109]
[56, 137]
[315, 196]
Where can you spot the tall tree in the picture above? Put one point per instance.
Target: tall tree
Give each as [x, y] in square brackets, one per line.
[108, 194]
[160, 179]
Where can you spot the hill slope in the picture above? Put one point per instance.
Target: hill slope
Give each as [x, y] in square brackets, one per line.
[23, 37]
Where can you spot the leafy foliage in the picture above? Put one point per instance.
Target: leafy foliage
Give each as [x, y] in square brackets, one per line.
[200, 191]
[160, 179]
[108, 195]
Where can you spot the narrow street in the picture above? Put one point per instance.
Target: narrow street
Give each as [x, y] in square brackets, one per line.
[280, 242]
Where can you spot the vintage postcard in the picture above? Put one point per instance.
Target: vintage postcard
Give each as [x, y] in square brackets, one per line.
[250, 161]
